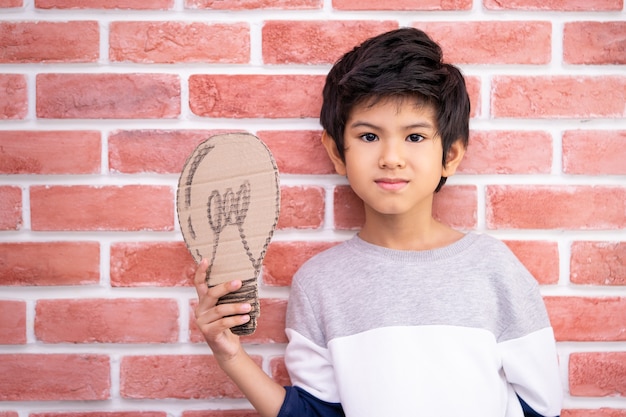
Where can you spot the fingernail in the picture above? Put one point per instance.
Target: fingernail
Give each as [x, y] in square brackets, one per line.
[246, 307]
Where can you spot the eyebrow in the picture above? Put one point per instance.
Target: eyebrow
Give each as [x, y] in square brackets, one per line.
[373, 126]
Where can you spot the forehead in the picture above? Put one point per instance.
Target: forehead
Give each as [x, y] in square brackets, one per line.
[397, 102]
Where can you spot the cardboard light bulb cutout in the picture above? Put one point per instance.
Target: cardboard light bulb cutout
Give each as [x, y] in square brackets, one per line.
[228, 201]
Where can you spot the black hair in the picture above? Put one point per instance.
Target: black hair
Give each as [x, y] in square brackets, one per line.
[404, 62]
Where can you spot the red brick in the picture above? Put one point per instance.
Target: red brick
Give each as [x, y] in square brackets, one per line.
[600, 412]
[595, 43]
[492, 42]
[10, 208]
[474, 86]
[594, 152]
[158, 151]
[161, 264]
[253, 4]
[13, 96]
[298, 152]
[558, 96]
[221, 413]
[508, 152]
[54, 377]
[301, 208]
[279, 371]
[402, 5]
[271, 324]
[597, 374]
[105, 4]
[175, 376]
[284, 258]
[33, 42]
[316, 42]
[541, 258]
[598, 263]
[348, 210]
[556, 207]
[584, 319]
[108, 96]
[560, 5]
[49, 263]
[454, 205]
[50, 152]
[101, 414]
[256, 96]
[12, 322]
[8, 4]
[107, 321]
[171, 42]
[131, 207]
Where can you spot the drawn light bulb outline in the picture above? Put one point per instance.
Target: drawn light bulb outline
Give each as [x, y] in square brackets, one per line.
[231, 209]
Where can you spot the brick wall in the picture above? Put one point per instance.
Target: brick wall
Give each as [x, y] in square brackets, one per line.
[101, 102]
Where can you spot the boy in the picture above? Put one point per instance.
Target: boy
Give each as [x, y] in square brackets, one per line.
[409, 317]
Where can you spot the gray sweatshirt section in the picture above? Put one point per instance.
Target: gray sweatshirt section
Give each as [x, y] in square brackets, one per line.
[356, 286]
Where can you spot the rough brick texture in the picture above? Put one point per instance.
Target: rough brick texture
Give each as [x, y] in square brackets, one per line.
[51, 152]
[49, 263]
[597, 374]
[107, 321]
[12, 322]
[54, 377]
[552, 207]
[558, 97]
[105, 4]
[30, 42]
[588, 318]
[592, 152]
[175, 376]
[598, 263]
[171, 42]
[508, 152]
[13, 100]
[402, 5]
[318, 42]
[132, 207]
[595, 43]
[255, 96]
[492, 42]
[103, 101]
[10, 208]
[108, 96]
[161, 264]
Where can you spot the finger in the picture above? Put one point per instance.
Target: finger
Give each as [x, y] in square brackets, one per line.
[222, 317]
[208, 297]
[200, 275]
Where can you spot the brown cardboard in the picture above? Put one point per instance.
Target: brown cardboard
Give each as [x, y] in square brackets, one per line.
[228, 201]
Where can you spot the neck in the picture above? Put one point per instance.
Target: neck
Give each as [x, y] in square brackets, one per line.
[409, 233]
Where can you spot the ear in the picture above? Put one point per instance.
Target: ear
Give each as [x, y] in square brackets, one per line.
[453, 158]
[333, 153]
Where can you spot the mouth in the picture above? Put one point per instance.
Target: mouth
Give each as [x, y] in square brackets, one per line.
[391, 184]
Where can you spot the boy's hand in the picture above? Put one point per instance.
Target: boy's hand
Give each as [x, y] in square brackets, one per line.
[215, 321]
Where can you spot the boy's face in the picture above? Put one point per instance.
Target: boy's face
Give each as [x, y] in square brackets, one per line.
[393, 156]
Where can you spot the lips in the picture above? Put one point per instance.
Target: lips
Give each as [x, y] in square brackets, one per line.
[391, 184]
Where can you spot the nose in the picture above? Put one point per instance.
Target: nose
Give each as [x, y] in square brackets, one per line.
[392, 154]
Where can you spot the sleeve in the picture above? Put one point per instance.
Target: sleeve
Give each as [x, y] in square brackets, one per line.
[308, 362]
[299, 403]
[530, 359]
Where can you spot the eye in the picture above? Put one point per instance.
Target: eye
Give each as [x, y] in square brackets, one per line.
[368, 137]
[415, 138]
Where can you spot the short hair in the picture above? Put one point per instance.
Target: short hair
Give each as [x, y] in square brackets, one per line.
[404, 62]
